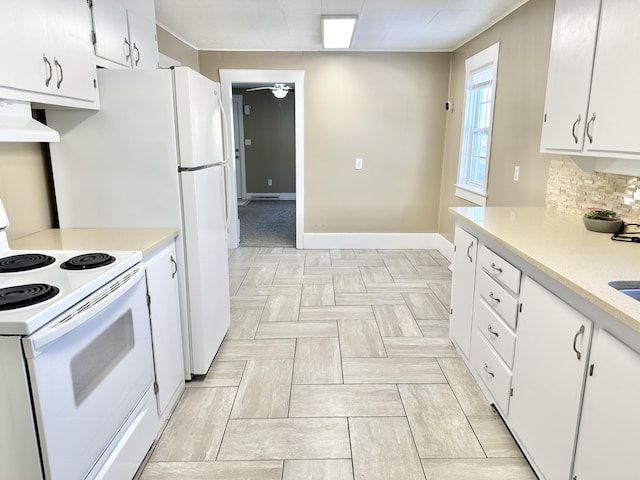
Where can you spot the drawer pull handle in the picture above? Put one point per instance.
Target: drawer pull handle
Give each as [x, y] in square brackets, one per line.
[489, 372]
[469, 250]
[496, 269]
[575, 341]
[495, 299]
[492, 332]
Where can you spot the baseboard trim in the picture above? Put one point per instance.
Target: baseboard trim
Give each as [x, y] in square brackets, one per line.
[271, 196]
[378, 241]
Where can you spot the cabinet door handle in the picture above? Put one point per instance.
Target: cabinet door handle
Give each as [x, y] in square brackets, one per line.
[492, 297]
[59, 69]
[50, 73]
[492, 331]
[575, 341]
[175, 267]
[127, 51]
[135, 48]
[573, 129]
[497, 269]
[469, 250]
[489, 372]
[589, 125]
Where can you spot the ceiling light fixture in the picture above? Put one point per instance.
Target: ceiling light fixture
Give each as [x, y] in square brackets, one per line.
[337, 31]
[279, 91]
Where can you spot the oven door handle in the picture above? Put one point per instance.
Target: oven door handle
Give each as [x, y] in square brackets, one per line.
[81, 312]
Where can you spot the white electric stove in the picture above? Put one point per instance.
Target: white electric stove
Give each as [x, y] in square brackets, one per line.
[76, 368]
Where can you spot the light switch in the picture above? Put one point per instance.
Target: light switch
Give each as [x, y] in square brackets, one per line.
[247, 141]
[358, 164]
[247, 109]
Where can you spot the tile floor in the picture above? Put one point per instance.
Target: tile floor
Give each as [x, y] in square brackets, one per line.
[337, 366]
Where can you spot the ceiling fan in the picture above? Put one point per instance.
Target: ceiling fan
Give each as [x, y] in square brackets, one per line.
[279, 90]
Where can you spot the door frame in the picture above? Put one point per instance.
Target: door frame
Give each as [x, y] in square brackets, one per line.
[238, 109]
[227, 78]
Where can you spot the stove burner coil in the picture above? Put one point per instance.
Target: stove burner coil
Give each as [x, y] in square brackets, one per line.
[88, 261]
[24, 262]
[25, 295]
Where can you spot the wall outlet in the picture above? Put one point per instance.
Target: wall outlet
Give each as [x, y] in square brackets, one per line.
[269, 182]
[358, 164]
[516, 173]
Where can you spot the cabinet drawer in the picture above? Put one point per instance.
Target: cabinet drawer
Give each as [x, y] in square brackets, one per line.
[499, 269]
[495, 331]
[493, 372]
[497, 298]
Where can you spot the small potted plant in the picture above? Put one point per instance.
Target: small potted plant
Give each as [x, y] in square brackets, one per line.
[601, 220]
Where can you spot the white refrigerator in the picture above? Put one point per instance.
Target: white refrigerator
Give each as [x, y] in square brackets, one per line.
[151, 157]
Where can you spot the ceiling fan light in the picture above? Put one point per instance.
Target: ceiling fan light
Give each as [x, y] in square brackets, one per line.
[279, 92]
[337, 32]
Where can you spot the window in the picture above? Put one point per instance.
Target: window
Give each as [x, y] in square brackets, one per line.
[475, 144]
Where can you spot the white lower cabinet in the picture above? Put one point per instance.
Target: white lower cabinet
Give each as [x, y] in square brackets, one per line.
[548, 376]
[462, 289]
[610, 422]
[162, 287]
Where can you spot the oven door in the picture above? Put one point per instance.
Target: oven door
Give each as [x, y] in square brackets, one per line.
[88, 369]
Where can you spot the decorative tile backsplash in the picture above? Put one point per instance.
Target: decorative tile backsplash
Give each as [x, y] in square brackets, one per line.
[571, 190]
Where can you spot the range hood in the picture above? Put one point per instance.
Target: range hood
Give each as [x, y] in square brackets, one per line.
[17, 124]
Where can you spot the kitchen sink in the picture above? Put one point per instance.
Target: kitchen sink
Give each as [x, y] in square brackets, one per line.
[628, 287]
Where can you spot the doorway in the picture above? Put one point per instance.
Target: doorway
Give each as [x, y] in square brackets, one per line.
[264, 142]
[296, 77]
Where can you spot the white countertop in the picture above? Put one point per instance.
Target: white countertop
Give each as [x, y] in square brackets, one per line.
[144, 240]
[560, 246]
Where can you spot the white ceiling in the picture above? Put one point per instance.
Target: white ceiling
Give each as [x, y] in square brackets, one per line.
[294, 25]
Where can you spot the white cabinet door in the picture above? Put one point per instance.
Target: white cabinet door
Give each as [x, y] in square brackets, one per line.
[69, 49]
[23, 42]
[569, 78]
[45, 47]
[144, 45]
[548, 375]
[125, 32]
[462, 289]
[111, 31]
[162, 285]
[610, 422]
[615, 92]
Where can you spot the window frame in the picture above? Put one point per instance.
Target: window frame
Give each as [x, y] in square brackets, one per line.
[476, 65]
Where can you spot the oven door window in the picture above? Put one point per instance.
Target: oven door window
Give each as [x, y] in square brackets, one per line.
[86, 382]
[97, 360]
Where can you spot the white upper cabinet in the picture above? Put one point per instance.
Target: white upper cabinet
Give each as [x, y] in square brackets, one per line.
[569, 79]
[615, 88]
[592, 86]
[69, 49]
[46, 54]
[125, 33]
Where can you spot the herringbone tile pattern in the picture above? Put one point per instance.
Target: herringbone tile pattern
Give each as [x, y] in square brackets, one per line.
[337, 366]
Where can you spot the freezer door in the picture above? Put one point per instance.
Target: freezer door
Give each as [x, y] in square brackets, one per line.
[199, 118]
[207, 268]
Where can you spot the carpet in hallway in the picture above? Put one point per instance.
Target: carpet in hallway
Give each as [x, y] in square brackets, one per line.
[268, 223]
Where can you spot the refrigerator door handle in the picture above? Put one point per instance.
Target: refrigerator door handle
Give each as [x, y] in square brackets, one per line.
[201, 167]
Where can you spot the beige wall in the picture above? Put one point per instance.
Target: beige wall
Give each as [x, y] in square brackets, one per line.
[177, 49]
[524, 37]
[24, 188]
[271, 129]
[386, 108]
